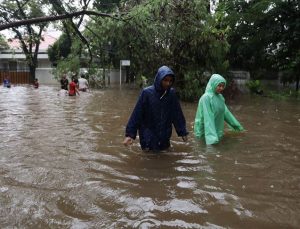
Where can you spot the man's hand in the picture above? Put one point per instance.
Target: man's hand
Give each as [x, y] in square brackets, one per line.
[127, 141]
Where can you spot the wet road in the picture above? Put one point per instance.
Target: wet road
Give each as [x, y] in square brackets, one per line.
[62, 165]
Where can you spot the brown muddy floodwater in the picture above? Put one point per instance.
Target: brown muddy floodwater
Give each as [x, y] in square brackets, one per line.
[62, 165]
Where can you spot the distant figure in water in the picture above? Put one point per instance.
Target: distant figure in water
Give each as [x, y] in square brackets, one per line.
[73, 88]
[6, 82]
[212, 112]
[64, 82]
[36, 83]
[83, 84]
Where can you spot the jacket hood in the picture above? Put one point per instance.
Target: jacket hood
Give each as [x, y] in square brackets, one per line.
[160, 75]
[213, 82]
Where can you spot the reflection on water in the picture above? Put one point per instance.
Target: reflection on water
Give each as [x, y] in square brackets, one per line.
[62, 165]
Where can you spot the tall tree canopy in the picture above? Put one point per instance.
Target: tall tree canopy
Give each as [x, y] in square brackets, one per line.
[182, 34]
[264, 35]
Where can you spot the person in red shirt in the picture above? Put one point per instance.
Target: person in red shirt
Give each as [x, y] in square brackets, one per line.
[73, 90]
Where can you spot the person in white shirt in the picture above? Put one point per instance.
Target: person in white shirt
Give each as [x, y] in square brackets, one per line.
[83, 83]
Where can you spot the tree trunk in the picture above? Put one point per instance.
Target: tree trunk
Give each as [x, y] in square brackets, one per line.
[32, 73]
[109, 73]
[103, 77]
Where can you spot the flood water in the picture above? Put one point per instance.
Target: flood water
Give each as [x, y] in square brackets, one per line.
[62, 165]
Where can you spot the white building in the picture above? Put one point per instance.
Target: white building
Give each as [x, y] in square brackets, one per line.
[12, 62]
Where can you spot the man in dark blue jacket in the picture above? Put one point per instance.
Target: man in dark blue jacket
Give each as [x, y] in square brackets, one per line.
[156, 110]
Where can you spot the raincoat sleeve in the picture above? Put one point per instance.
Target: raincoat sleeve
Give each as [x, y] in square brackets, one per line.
[135, 118]
[198, 124]
[210, 132]
[232, 121]
[179, 119]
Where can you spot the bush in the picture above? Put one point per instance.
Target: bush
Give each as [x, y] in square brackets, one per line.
[254, 86]
[194, 86]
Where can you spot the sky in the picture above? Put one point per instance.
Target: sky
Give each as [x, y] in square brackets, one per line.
[8, 34]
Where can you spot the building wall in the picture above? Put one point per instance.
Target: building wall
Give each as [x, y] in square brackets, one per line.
[44, 63]
[45, 76]
[240, 78]
[115, 77]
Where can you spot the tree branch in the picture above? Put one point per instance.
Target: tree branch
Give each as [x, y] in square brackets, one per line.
[52, 18]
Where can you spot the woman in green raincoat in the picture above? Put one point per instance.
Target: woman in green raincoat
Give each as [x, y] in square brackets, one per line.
[212, 112]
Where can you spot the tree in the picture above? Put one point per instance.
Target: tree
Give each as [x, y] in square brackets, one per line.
[29, 36]
[28, 20]
[107, 6]
[181, 34]
[43, 19]
[60, 49]
[264, 35]
[3, 43]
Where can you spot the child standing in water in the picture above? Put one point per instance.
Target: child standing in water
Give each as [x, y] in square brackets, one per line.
[156, 110]
[73, 90]
[6, 82]
[212, 112]
[36, 83]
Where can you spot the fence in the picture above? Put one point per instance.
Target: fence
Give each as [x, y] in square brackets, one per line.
[16, 77]
[45, 76]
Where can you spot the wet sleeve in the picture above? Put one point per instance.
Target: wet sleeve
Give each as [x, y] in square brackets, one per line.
[197, 123]
[211, 136]
[232, 121]
[135, 118]
[179, 119]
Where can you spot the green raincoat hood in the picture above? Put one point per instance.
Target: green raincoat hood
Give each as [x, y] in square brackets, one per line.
[213, 82]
